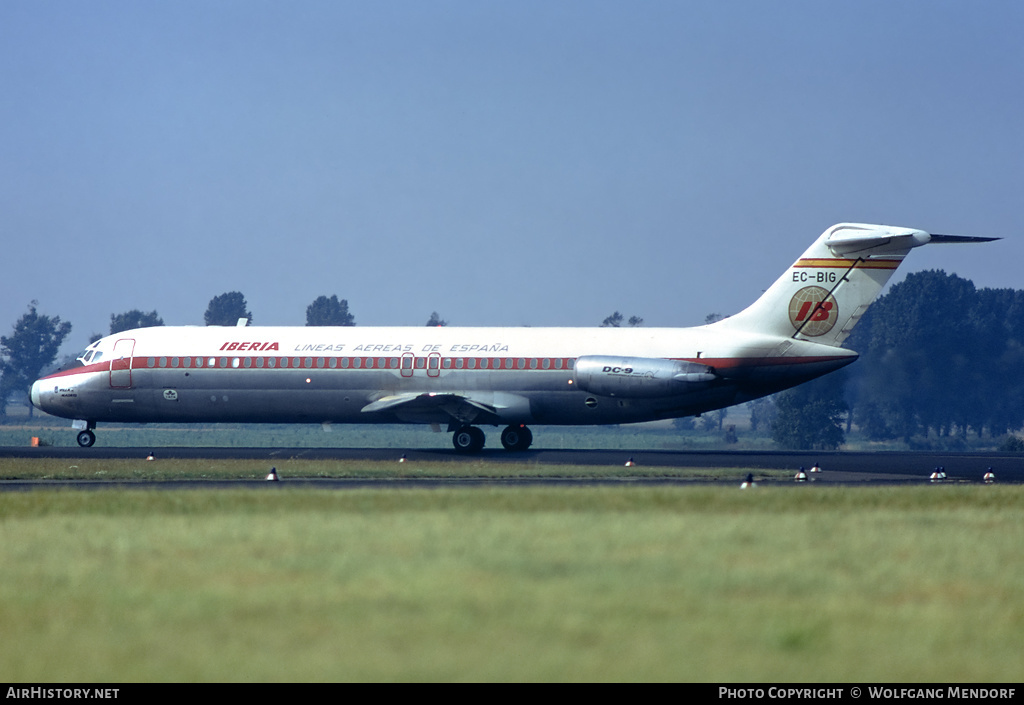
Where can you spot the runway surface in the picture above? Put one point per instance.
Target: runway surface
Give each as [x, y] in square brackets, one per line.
[838, 467]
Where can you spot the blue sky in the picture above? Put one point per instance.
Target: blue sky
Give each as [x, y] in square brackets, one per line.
[502, 163]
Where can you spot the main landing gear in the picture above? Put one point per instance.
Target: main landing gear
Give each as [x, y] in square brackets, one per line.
[470, 439]
[516, 437]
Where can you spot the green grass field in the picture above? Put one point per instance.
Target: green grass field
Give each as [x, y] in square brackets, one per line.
[703, 583]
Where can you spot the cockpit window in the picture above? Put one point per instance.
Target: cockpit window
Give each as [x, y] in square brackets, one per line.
[89, 357]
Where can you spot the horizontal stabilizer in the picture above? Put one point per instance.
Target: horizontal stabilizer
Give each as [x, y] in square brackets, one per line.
[883, 241]
[874, 240]
[961, 238]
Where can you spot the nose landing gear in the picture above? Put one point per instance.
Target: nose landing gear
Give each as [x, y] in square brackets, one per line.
[85, 435]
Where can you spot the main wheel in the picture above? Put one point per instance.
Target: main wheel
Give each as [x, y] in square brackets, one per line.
[86, 439]
[516, 437]
[468, 439]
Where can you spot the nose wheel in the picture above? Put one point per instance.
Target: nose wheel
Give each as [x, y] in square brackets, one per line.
[516, 437]
[86, 439]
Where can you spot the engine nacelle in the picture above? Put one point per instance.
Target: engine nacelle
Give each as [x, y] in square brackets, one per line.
[639, 377]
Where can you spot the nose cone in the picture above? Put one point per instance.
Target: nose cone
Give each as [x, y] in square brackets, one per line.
[59, 394]
[36, 394]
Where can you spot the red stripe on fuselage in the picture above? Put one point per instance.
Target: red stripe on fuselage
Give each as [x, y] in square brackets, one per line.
[84, 369]
[139, 364]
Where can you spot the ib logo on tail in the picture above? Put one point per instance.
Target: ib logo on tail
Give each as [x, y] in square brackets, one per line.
[813, 311]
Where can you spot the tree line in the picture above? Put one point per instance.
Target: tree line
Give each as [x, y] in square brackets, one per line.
[939, 358]
[231, 307]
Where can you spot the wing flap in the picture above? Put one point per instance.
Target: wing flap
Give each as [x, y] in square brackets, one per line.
[465, 407]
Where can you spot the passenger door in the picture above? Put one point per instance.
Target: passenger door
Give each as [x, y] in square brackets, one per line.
[121, 364]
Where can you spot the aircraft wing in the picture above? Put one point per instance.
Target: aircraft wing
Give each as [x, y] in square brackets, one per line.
[464, 407]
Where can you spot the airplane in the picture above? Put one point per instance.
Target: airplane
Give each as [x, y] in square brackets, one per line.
[468, 377]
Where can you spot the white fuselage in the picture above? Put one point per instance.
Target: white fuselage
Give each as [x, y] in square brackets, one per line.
[478, 375]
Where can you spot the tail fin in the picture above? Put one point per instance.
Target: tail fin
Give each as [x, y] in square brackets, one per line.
[824, 293]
